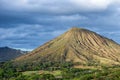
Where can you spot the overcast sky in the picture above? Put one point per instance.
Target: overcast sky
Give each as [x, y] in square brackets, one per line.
[27, 24]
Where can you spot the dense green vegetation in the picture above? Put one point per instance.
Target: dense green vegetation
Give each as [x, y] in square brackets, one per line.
[55, 71]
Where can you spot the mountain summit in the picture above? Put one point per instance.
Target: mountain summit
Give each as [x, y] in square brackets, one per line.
[79, 46]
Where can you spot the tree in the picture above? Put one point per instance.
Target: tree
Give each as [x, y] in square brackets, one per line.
[1, 73]
[36, 77]
[22, 77]
[47, 77]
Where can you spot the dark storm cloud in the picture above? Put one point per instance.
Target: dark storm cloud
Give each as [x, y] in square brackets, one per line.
[28, 36]
[30, 23]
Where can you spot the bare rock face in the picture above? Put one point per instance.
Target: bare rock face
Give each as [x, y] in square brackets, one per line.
[77, 45]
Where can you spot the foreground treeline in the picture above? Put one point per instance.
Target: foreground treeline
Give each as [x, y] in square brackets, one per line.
[8, 71]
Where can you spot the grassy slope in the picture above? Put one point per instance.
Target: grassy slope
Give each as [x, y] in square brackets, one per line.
[55, 73]
[104, 74]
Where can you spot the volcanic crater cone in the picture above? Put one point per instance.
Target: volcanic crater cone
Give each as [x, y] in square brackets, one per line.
[79, 46]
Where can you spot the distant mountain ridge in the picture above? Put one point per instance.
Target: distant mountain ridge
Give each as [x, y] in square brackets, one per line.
[7, 53]
[79, 46]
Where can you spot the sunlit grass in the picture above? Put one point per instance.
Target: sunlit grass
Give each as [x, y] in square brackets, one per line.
[55, 73]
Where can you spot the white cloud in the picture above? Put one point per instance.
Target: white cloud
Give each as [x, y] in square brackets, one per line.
[92, 5]
[72, 17]
[23, 49]
[57, 6]
[57, 33]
